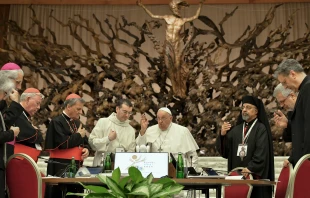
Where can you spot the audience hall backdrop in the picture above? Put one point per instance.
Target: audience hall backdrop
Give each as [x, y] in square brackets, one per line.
[107, 52]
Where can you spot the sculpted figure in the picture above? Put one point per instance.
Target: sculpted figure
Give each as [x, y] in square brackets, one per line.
[173, 51]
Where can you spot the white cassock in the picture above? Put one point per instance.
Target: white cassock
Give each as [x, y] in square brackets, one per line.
[173, 140]
[98, 138]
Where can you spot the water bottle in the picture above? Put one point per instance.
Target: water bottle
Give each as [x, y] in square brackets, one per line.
[108, 163]
[72, 169]
[102, 162]
[180, 166]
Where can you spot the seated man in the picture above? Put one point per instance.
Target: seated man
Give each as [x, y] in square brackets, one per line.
[252, 134]
[114, 132]
[30, 137]
[167, 136]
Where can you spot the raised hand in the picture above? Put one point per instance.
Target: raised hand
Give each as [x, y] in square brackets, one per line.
[139, 2]
[144, 124]
[112, 135]
[14, 95]
[225, 127]
[280, 119]
[82, 131]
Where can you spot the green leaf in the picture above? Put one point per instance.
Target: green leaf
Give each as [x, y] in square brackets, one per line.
[140, 190]
[124, 181]
[96, 189]
[171, 190]
[165, 181]
[149, 178]
[130, 185]
[155, 188]
[99, 195]
[116, 175]
[102, 178]
[135, 174]
[78, 194]
[114, 187]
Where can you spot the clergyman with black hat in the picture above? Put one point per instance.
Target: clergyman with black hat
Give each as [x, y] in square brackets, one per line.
[252, 134]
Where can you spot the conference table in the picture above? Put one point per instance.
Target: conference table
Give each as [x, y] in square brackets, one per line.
[190, 183]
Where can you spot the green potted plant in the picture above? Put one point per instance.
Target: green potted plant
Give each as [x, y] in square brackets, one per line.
[132, 186]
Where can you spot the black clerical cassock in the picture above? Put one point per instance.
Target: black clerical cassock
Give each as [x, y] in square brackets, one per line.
[259, 157]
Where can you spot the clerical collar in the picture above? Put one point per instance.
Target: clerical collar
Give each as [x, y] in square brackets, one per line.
[66, 116]
[249, 124]
[26, 114]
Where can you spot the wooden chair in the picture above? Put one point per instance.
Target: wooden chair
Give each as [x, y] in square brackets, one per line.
[283, 184]
[238, 191]
[23, 178]
[300, 181]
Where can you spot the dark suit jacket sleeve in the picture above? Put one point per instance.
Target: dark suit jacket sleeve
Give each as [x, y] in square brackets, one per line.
[5, 136]
[287, 133]
[12, 113]
[306, 110]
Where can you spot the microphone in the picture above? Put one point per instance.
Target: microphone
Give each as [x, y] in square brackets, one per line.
[191, 160]
[55, 162]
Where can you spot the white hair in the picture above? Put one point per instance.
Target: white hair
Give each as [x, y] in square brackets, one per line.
[12, 74]
[281, 89]
[6, 84]
[24, 96]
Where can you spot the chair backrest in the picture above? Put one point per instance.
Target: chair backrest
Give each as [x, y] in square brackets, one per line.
[285, 177]
[240, 190]
[300, 181]
[23, 178]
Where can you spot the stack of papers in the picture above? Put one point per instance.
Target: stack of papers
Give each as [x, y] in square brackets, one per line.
[238, 177]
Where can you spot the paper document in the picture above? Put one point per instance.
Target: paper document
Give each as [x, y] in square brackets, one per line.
[237, 177]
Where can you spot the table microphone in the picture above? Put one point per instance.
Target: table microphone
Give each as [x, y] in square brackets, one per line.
[55, 162]
[191, 160]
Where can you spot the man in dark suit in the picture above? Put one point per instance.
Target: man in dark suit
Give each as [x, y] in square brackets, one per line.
[291, 75]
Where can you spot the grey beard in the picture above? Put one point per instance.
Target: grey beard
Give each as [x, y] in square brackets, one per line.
[245, 117]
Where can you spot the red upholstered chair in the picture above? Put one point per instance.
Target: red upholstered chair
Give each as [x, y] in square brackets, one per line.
[283, 184]
[238, 191]
[300, 181]
[23, 177]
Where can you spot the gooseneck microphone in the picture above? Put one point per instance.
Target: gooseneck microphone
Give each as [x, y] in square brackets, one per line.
[191, 160]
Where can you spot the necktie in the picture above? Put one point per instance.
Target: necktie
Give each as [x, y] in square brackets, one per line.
[245, 129]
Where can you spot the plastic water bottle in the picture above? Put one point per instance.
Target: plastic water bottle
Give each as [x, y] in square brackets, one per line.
[180, 166]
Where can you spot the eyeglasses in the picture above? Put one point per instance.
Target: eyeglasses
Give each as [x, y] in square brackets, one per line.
[247, 108]
[281, 102]
[161, 119]
[126, 112]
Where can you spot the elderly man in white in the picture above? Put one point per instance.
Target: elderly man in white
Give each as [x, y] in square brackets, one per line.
[167, 136]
